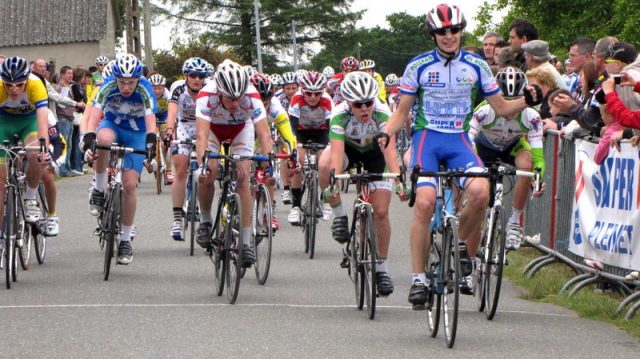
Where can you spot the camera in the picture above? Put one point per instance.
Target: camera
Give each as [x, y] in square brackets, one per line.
[617, 79]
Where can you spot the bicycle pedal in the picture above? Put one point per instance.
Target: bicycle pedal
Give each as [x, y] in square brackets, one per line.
[19, 243]
[346, 263]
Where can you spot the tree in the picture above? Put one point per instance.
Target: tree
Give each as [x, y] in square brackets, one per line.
[391, 48]
[230, 23]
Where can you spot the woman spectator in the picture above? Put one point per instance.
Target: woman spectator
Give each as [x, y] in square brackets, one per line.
[547, 84]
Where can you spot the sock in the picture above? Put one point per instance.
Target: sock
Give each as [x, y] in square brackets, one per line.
[126, 233]
[422, 277]
[31, 193]
[51, 214]
[382, 266]
[296, 193]
[338, 211]
[205, 216]
[515, 216]
[178, 213]
[245, 234]
[101, 181]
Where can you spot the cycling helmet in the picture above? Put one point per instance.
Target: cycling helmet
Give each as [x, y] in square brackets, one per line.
[263, 85]
[300, 73]
[276, 79]
[108, 69]
[391, 80]
[445, 16]
[250, 70]
[210, 68]
[350, 63]
[157, 80]
[195, 65]
[15, 69]
[367, 64]
[313, 81]
[102, 60]
[231, 79]
[328, 72]
[511, 81]
[359, 86]
[289, 78]
[127, 66]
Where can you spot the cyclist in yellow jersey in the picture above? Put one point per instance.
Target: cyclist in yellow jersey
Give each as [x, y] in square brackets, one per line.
[23, 112]
[276, 115]
[369, 67]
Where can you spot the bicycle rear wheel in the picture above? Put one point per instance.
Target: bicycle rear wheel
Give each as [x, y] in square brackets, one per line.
[233, 249]
[110, 227]
[192, 213]
[492, 272]
[368, 261]
[431, 269]
[39, 238]
[262, 233]
[451, 296]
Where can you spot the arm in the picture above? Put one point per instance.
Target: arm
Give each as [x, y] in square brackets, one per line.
[41, 118]
[400, 115]
[56, 97]
[172, 111]
[284, 127]
[202, 137]
[506, 108]
[150, 122]
[337, 155]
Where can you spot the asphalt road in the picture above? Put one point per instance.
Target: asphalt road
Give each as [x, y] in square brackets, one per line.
[163, 304]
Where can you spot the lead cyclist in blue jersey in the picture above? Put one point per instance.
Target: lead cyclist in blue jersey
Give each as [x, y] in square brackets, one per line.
[445, 83]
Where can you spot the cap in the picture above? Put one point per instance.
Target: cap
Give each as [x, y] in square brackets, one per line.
[623, 52]
[602, 46]
[537, 48]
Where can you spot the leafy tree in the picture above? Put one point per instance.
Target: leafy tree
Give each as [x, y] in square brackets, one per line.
[230, 23]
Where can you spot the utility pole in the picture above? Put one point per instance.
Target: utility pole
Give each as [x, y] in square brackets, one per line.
[132, 26]
[295, 51]
[358, 47]
[148, 53]
[256, 6]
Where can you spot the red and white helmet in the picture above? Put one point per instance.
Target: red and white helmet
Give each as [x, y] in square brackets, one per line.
[350, 63]
[313, 81]
[445, 16]
[263, 85]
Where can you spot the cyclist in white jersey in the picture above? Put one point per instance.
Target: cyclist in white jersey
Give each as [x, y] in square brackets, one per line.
[289, 88]
[445, 82]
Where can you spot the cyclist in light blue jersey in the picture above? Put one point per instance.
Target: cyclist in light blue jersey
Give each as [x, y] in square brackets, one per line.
[445, 82]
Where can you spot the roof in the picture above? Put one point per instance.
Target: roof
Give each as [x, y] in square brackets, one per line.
[41, 22]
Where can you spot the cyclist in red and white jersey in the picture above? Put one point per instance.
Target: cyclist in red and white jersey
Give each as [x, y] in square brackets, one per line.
[348, 64]
[229, 109]
[289, 88]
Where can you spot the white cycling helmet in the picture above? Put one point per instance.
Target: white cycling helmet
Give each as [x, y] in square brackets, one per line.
[328, 72]
[108, 69]
[231, 79]
[391, 80]
[127, 66]
[276, 79]
[359, 86]
[511, 81]
[300, 73]
[157, 80]
[250, 70]
[102, 60]
[313, 81]
[367, 64]
[289, 78]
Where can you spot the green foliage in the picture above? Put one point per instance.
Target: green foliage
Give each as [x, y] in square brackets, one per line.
[391, 48]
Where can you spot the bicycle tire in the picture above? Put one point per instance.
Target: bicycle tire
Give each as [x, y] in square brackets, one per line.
[217, 252]
[158, 172]
[110, 227]
[39, 239]
[495, 265]
[368, 260]
[262, 234]
[357, 238]
[24, 231]
[233, 249]
[192, 214]
[303, 221]
[431, 270]
[451, 297]
[9, 233]
[311, 213]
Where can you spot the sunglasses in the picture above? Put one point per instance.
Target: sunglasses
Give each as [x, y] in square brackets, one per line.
[312, 94]
[453, 30]
[17, 85]
[364, 104]
[197, 76]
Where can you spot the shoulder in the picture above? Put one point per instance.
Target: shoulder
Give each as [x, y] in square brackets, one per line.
[475, 61]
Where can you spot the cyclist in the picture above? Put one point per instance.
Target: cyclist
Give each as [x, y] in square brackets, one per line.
[162, 96]
[182, 115]
[309, 113]
[391, 84]
[277, 81]
[516, 140]
[127, 104]
[229, 109]
[348, 64]
[369, 66]
[354, 123]
[96, 77]
[444, 82]
[276, 115]
[23, 112]
[289, 88]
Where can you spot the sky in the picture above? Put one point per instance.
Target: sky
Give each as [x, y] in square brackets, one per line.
[376, 12]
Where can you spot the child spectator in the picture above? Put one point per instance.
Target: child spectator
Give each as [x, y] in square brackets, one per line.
[611, 126]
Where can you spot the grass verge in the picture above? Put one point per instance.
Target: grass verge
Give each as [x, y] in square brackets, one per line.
[545, 287]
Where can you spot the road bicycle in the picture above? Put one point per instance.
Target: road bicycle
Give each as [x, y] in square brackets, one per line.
[311, 205]
[190, 205]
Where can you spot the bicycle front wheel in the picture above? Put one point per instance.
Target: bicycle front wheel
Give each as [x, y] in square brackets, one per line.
[368, 257]
[217, 253]
[39, 238]
[233, 248]
[309, 213]
[432, 265]
[451, 295]
[110, 227]
[358, 236]
[492, 272]
[24, 232]
[262, 233]
[9, 232]
[159, 170]
[192, 213]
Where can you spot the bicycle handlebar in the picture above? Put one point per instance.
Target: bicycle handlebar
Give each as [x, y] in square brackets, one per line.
[114, 147]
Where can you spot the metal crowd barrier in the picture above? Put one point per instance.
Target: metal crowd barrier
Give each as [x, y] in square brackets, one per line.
[548, 228]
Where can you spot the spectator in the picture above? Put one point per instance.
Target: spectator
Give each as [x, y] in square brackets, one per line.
[621, 57]
[489, 43]
[80, 79]
[65, 117]
[537, 56]
[547, 84]
[616, 107]
[611, 126]
[506, 58]
[581, 51]
[521, 32]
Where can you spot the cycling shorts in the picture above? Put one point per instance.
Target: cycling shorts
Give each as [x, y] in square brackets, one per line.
[315, 136]
[508, 156]
[431, 148]
[128, 138]
[242, 137]
[372, 162]
[185, 131]
[23, 126]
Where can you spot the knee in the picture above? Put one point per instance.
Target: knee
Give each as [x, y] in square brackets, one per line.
[524, 160]
[424, 207]
[478, 197]
[129, 186]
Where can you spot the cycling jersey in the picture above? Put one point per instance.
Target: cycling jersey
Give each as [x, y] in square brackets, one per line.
[382, 91]
[186, 104]
[277, 115]
[163, 104]
[354, 133]
[446, 94]
[34, 97]
[306, 117]
[282, 97]
[335, 82]
[126, 112]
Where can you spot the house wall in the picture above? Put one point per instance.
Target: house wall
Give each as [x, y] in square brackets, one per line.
[84, 53]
